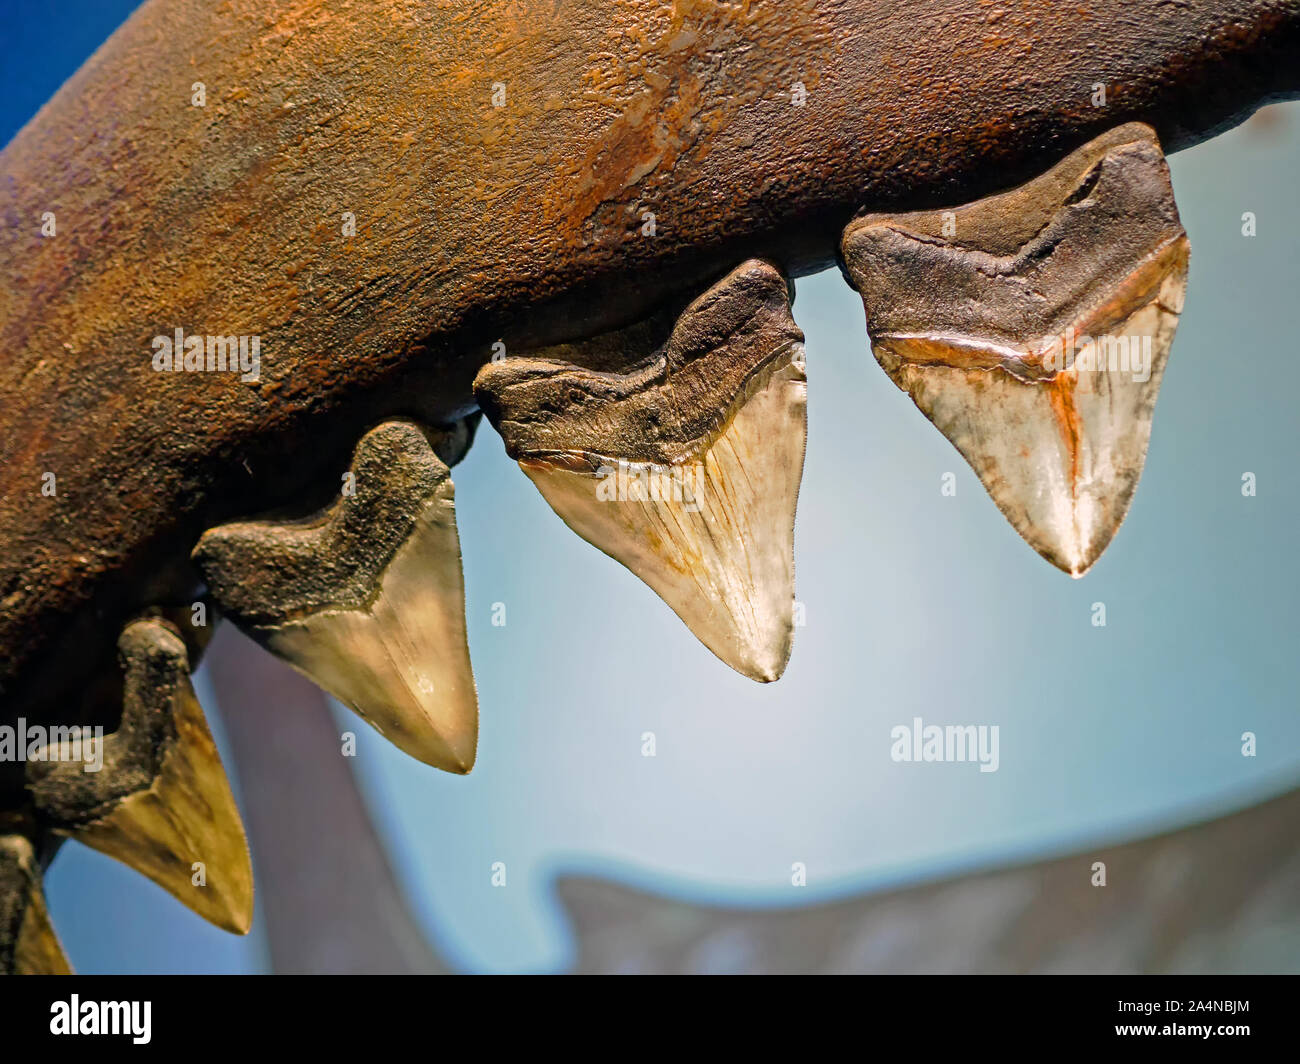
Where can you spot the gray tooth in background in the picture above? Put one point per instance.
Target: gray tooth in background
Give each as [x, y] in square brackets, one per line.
[686, 469]
[1032, 328]
[367, 598]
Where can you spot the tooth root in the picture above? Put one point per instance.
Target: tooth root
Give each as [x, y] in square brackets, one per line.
[160, 803]
[686, 470]
[367, 598]
[982, 315]
[28, 944]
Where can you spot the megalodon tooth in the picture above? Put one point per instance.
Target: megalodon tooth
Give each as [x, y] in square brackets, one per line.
[686, 469]
[1033, 327]
[159, 800]
[367, 598]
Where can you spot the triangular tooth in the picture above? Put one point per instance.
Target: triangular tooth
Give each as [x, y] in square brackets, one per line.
[366, 598]
[686, 470]
[28, 944]
[984, 314]
[160, 802]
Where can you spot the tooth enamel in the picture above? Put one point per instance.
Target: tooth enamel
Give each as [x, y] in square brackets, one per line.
[976, 312]
[160, 803]
[687, 470]
[28, 944]
[366, 598]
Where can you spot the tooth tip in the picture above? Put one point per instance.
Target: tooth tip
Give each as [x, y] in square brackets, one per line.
[236, 921]
[1080, 568]
[459, 762]
[753, 662]
[428, 733]
[1076, 555]
[462, 764]
[241, 908]
[228, 903]
[763, 662]
[751, 632]
[1058, 555]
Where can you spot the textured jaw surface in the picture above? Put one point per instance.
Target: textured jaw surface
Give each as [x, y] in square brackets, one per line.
[1033, 329]
[687, 470]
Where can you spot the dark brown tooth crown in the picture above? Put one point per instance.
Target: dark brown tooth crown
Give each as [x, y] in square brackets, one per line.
[666, 410]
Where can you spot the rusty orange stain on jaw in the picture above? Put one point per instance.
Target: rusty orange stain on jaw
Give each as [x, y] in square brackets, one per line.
[687, 69]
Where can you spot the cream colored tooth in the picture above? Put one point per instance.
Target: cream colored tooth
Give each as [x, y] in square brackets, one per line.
[1032, 328]
[159, 800]
[685, 470]
[28, 944]
[366, 598]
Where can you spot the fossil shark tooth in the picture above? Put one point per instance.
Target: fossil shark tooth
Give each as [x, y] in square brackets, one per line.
[1032, 328]
[159, 800]
[686, 470]
[367, 598]
[28, 944]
